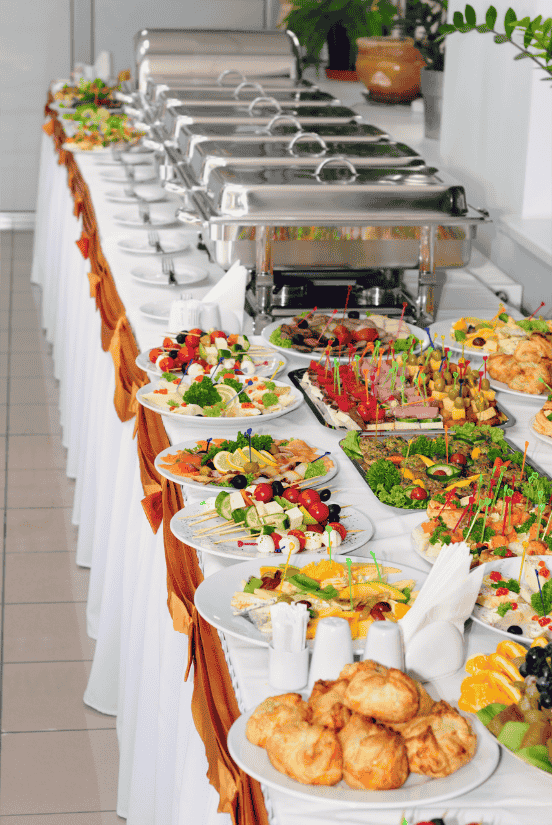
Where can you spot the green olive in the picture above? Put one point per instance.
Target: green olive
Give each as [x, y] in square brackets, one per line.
[412, 360]
[420, 360]
[436, 355]
[459, 403]
[436, 375]
[250, 467]
[205, 471]
[447, 375]
[485, 384]
[453, 393]
[480, 404]
[466, 402]
[439, 384]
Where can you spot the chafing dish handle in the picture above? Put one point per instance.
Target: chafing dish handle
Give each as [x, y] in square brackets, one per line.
[263, 99]
[308, 136]
[226, 72]
[340, 160]
[264, 280]
[425, 300]
[282, 119]
[247, 84]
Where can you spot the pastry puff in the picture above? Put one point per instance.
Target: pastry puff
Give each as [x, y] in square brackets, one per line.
[310, 754]
[440, 743]
[387, 694]
[272, 713]
[374, 757]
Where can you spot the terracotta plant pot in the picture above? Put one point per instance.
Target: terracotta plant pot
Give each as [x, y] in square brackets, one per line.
[390, 68]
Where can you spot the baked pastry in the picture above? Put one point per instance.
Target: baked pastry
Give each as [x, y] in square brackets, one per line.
[529, 375]
[543, 424]
[502, 367]
[387, 694]
[310, 754]
[272, 713]
[374, 757]
[326, 704]
[440, 743]
[535, 347]
[425, 707]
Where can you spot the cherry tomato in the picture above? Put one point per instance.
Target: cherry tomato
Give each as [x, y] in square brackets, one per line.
[319, 511]
[418, 494]
[458, 458]
[196, 331]
[342, 334]
[308, 497]
[168, 343]
[185, 353]
[365, 334]
[315, 528]
[192, 338]
[276, 538]
[300, 536]
[263, 492]
[217, 334]
[154, 354]
[517, 498]
[339, 528]
[291, 494]
[167, 364]
[365, 412]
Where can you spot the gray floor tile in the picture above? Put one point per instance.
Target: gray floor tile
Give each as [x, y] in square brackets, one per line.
[46, 633]
[27, 419]
[42, 390]
[44, 577]
[40, 530]
[39, 488]
[28, 452]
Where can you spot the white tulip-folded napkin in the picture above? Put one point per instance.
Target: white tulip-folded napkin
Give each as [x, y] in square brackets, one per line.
[289, 626]
[229, 292]
[448, 594]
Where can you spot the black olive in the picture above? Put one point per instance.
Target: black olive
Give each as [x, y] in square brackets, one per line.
[210, 465]
[515, 629]
[183, 368]
[325, 494]
[334, 511]
[478, 342]
[333, 341]
[297, 340]
[354, 314]
[437, 821]
[173, 353]
[277, 488]
[239, 482]
[180, 338]
[302, 324]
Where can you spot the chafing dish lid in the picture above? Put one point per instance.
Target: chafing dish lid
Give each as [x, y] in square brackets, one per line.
[220, 95]
[334, 188]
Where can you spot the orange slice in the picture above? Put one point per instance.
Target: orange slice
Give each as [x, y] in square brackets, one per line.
[476, 664]
[502, 682]
[540, 641]
[504, 665]
[324, 569]
[479, 691]
[512, 650]
[400, 609]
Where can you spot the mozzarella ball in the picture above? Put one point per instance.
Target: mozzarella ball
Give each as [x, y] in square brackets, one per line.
[195, 370]
[332, 537]
[290, 544]
[266, 544]
[313, 541]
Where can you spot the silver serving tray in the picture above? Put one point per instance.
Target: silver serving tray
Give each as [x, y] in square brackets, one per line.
[304, 148]
[157, 85]
[245, 93]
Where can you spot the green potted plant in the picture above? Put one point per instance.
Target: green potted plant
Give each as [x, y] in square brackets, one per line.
[339, 23]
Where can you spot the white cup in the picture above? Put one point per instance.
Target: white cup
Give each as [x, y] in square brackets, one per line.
[384, 644]
[286, 670]
[333, 649]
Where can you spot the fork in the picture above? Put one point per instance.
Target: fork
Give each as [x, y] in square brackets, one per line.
[153, 240]
[167, 265]
[144, 212]
[130, 172]
[129, 192]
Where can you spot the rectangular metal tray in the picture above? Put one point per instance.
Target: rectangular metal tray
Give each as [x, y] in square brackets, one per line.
[362, 472]
[321, 415]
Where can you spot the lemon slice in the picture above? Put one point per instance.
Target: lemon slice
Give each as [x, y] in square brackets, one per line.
[237, 460]
[225, 392]
[244, 454]
[265, 457]
[221, 461]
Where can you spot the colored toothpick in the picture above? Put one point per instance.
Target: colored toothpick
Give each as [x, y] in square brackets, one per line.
[380, 577]
[540, 592]
[540, 306]
[328, 530]
[524, 457]
[350, 581]
[522, 559]
[248, 434]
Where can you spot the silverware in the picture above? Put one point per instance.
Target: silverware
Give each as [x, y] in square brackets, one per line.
[129, 192]
[130, 172]
[144, 212]
[167, 265]
[153, 240]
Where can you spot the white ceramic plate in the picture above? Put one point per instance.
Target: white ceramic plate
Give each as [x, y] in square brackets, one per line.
[185, 274]
[213, 596]
[318, 481]
[183, 531]
[308, 356]
[116, 196]
[118, 176]
[265, 367]
[510, 569]
[140, 246]
[78, 150]
[440, 328]
[130, 158]
[544, 438]
[132, 218]
[499, 386]
[201, 421]
[160, 311]
[418, 791]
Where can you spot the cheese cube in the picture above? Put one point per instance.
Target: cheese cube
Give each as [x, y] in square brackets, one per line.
[221, 343]
[260, 508]
[295, 518]
[236, 500]
[272, 508]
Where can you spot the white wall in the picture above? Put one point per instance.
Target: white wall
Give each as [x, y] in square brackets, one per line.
[34, 48]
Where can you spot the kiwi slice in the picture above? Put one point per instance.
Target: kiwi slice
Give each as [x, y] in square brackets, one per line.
[512, 734]
[536, 755]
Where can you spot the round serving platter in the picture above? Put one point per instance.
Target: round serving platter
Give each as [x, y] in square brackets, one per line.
[271, 365]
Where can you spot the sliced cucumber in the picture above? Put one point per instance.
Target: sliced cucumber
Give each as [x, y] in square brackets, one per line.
[226, 508]
[443, 472]
[277, 520]
[252, 519]
[239, 514]
[222, 496]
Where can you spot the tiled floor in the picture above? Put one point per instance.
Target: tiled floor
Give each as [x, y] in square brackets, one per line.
[58, 758]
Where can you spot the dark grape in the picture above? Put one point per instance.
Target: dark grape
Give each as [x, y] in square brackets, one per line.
[545, 700]
[334, 511]
[277, 488]
[542, 683]
[325, 494]
[533, 659]
[523, 670]
[515, 629]
[239, 482]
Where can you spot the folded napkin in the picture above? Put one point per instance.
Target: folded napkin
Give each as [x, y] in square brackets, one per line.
[188, 313]
[448, 594]
[103, 66]
[289, 626]
[229, 292]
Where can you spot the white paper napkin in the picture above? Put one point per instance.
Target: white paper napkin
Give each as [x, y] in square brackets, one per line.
[102, 66]
[229, 292]
[289, 626]
[449, 592]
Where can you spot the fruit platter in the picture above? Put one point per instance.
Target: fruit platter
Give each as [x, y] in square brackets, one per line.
[378, 592]
[208, 352]
[516, 598]
[511, 693]
[317, 333]
[227, 396]
[424, 392]
[236, 463]
[256, 521]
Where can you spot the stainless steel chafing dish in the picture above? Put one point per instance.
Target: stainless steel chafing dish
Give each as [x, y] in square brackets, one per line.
[335, 224]
[307, 148]
[245, 93]
[228, 81]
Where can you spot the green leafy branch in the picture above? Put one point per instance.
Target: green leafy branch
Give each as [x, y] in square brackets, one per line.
[537, 33]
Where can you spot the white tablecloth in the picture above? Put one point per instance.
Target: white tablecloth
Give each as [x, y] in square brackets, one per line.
[139, 662]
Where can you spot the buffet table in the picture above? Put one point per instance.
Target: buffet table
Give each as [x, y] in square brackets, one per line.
[140, 662]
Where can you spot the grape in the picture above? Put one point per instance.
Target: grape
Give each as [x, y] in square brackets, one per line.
[546, 700]
[523, 670]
